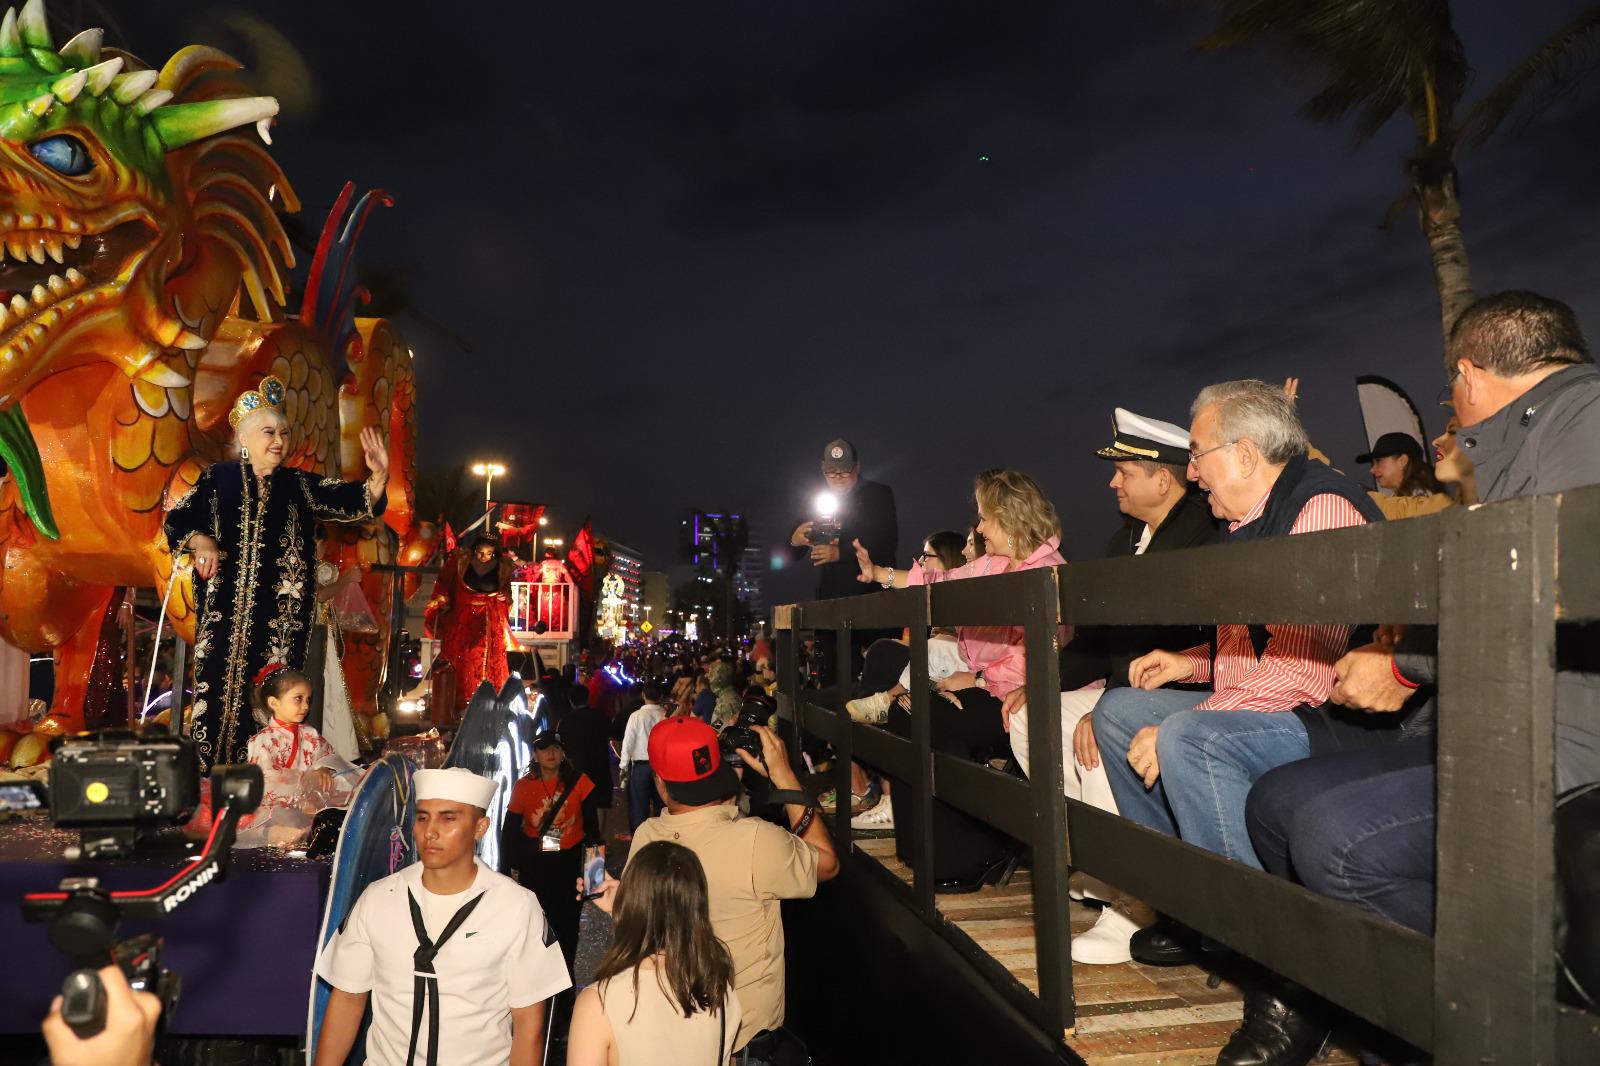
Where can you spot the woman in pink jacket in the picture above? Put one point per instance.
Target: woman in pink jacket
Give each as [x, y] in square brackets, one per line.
[1023, 533]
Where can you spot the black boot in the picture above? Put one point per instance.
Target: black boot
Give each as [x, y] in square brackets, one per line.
[1274, 1032]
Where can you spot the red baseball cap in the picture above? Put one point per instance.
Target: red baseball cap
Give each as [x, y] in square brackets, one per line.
[685, 755]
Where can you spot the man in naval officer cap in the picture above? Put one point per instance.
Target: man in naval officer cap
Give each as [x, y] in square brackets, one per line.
[456, 959]
[1160, 513]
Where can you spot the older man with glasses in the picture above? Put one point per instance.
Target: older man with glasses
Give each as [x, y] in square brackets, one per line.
[1183, 761]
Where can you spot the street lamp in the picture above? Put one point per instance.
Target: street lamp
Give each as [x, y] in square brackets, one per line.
[488, 471]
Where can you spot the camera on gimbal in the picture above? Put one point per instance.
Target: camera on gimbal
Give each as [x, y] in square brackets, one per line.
[116, 788]
[119, 790]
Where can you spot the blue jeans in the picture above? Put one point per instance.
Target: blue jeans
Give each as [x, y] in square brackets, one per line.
[1354, 825]
[643, 800]
[1209, 760]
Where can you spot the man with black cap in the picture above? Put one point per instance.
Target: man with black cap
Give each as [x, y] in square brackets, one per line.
[456, 960]
[751, 865]
[1160, 513]
[862, 510]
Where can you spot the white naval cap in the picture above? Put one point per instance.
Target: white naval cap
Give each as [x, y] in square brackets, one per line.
[456, 785]
[1136, 437]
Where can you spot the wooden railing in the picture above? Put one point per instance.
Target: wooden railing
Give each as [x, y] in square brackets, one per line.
[1495, 580]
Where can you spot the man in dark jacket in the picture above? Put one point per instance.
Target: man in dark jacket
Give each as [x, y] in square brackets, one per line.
[1160, 514]
[864, 511]
[1359, 825]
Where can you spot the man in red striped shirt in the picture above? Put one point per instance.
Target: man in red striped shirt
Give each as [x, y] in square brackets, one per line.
[1191, 757]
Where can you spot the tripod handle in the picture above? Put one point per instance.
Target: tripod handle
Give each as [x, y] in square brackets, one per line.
[83, 1003]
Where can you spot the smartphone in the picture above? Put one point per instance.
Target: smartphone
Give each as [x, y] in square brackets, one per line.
[594, 869]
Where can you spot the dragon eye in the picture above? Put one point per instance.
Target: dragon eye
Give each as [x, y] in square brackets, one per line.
[63, 154]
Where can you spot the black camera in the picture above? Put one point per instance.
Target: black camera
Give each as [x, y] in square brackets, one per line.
[737, 734]
[115, 787]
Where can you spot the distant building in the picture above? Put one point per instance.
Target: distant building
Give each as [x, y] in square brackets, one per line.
[657, 597]
[628, 564]
[750, 579]
[708, 536]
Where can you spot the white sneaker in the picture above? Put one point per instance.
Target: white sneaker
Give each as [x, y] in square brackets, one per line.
[871, 710]
[1107, 942]
[879, 817]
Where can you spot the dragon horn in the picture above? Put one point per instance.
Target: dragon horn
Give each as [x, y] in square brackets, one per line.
[67, 89]
[151, 100]
[161, 374]
[35, 30]
[180, 124]
[84, 49]
[101, 75]
[10, 39]
[126, 88]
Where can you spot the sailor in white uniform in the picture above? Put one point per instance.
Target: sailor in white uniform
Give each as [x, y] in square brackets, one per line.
[457, 960]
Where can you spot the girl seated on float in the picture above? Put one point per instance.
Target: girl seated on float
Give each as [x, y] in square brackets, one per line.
[301, 772]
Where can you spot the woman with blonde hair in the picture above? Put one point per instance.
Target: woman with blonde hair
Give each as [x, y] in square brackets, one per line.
[1021, 532]
[250, 524]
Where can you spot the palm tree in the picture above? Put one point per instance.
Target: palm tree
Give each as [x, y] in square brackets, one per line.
[1373, 59]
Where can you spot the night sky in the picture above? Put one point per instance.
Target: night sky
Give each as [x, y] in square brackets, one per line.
[686, 244]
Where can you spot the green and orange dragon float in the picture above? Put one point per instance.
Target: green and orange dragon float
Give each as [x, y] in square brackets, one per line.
[142, 288]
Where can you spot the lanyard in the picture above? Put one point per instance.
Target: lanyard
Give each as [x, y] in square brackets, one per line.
[427, 986]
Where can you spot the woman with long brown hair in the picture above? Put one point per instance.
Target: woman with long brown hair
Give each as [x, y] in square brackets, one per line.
[663, 994]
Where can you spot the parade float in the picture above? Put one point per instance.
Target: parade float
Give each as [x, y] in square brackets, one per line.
[143, 289]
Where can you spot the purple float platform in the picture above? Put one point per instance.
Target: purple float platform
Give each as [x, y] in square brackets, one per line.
[243, 946]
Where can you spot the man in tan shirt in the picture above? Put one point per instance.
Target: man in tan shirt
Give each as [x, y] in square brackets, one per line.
[751, 865]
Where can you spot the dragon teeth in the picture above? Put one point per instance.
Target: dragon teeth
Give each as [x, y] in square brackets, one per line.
[52, 245]
[36, 251]
[18, 248]
[41, 295]
[73, 241]
[74, 277]
[5, 316]
[19, 304]
[57, 285]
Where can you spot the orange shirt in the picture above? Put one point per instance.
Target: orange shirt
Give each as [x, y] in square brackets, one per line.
[532, 797]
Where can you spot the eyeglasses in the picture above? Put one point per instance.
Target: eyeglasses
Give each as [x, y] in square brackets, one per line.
[1446, 395]
[1195, 457]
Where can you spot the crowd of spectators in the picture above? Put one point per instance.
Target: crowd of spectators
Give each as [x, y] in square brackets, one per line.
[1306, 750]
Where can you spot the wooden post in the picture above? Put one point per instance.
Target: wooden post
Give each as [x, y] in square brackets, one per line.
[1494, 938]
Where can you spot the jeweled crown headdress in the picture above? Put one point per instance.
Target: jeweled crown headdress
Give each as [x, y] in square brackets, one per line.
[268, 394]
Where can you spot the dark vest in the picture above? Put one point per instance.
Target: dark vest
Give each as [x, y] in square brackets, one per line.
[1330, 728]
[1302, 478]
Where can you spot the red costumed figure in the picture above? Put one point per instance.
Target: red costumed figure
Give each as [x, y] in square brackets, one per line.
[469, 613]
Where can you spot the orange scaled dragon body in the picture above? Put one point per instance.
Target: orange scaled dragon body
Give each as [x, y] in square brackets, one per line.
[142, 290]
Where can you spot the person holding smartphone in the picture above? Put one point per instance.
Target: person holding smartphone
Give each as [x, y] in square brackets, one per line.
[541, 847]
[663, 993]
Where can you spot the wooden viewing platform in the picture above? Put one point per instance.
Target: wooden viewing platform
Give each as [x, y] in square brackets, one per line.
[1128, 1014]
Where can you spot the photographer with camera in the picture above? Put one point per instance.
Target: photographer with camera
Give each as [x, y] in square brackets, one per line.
[854, 508]
[751, 865]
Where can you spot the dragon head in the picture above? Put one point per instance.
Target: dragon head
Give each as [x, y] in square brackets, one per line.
[130, 215]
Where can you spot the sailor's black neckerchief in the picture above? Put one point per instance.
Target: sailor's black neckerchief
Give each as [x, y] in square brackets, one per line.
[427, 987]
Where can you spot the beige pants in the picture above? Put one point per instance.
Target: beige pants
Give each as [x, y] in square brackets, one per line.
[1090, 786]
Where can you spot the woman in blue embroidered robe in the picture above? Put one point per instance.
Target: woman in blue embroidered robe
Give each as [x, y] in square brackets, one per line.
[251, 526]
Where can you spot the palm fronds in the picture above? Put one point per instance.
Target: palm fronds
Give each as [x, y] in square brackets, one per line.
[1368, 58]
[1547, 73]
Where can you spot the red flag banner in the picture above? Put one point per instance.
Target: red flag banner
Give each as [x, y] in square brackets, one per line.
[518, 523]
[580, 558]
